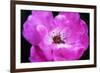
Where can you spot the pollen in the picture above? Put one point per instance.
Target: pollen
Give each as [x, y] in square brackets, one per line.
[57, 39]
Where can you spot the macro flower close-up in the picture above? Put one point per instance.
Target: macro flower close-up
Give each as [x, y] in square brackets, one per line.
[55, 38]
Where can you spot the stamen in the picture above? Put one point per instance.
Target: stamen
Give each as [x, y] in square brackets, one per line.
[57, 39]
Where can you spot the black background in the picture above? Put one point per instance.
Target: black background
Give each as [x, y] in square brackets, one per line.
[25, 46]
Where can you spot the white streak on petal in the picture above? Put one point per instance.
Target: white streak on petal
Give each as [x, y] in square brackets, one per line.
[48, 40]
[60, 16]
[67, 46]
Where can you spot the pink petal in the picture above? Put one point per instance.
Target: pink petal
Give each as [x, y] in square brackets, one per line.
[45, 18]
[67, 18]
[36, 55]
[36, 26]
[30, 33]
[68, 54]
[47, 50]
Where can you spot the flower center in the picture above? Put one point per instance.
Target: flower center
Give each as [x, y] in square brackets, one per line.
[57, 39]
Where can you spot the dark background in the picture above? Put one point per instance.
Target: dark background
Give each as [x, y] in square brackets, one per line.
[25, 46]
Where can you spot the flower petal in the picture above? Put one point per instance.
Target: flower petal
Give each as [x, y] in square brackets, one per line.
[47, 50]
[68, 54]
[36, 24]
[30, 33]
[67, 18]
[45, 18]
[36, 55]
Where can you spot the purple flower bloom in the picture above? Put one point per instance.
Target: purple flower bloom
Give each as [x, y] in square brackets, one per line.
[64, 37]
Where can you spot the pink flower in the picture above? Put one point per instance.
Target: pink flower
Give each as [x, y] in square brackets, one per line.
[60, 38]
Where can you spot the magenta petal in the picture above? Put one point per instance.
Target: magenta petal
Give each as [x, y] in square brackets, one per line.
[42, 30]
[84, 41]
[33, 28]
[71, 15]
[67, 18]
[36, 55]
[47, 51]
[36, 26]
[68, 54]
[44, 18]
[84, 27]
[30, 33]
